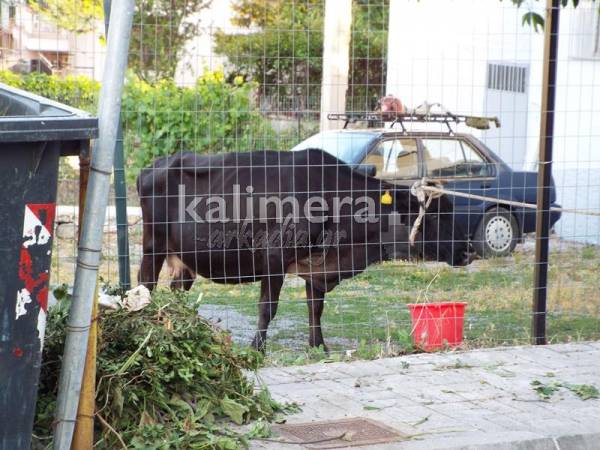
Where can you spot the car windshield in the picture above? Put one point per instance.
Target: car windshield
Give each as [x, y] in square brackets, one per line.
[345, 146]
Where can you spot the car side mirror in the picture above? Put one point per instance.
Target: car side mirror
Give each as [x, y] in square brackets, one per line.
[367, 169]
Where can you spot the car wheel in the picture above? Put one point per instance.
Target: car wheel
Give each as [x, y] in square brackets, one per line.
[497, 234]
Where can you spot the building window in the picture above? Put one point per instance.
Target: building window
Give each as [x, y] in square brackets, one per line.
[507, 77]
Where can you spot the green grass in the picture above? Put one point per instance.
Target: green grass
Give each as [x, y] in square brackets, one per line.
[367, 317]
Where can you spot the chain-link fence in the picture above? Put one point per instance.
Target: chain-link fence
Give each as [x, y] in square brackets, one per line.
[252, 75]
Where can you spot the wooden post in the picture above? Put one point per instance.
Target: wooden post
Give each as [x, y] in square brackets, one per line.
[544, 178]
[336, 60]
[83, 436]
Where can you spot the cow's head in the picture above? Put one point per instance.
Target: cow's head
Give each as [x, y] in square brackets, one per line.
[438, 236]
[441, 237]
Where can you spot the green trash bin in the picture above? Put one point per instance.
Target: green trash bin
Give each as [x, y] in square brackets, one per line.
[34, 133]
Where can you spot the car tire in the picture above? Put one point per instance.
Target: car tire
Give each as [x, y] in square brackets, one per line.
[497, 234]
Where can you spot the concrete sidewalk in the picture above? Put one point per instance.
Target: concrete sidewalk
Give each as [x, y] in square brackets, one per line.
[480, 399]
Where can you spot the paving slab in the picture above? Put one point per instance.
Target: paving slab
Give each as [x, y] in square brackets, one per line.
[476, 400]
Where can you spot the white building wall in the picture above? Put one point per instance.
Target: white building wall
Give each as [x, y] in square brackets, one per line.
[33, 33]
[577, 139]
[438, 51]
[88, 53]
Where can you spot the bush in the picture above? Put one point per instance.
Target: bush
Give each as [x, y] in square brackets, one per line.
[76, 91]
[165, 380]
[160, 119]
[213, 116]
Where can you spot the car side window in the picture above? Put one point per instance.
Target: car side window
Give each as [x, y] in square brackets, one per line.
[449, 158]
[395, 158]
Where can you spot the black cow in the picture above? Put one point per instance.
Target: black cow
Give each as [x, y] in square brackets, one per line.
[244, 217]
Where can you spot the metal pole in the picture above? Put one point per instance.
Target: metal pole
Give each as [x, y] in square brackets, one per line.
[542, 226]
[120, 186]
[83, 435]
[88, 258]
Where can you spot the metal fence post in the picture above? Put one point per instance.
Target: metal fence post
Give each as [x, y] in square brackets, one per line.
[90, 245]
[544, 179]
[120, 186]
[121, 210]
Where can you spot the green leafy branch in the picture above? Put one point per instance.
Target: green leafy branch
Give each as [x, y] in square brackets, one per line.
[536, 20]
[546, 390]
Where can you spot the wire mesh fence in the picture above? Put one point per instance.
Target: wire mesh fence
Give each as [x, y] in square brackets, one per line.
[248, 75]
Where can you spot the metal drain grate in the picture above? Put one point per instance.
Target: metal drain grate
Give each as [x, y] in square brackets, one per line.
[357, 431]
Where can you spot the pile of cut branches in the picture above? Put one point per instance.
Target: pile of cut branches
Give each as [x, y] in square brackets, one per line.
[166, 378]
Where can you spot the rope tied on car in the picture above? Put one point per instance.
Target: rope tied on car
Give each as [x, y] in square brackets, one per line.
[432, 187]
[426, 190]
[422, 190]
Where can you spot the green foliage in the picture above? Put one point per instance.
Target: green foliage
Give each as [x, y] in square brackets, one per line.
[368, 53]
[589, 252]
[583, 391]
[76, 91]
[285, 54]
[536, 20]
[212, 116]
[546, 390]
[160, 31]
[77, 16]
[166, 378]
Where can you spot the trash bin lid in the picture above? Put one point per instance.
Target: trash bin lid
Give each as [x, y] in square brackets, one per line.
[26, 117]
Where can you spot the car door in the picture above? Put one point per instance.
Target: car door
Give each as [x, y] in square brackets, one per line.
[396, 160]
[459, 166]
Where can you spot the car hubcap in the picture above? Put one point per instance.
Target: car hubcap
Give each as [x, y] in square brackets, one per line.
[498, 233]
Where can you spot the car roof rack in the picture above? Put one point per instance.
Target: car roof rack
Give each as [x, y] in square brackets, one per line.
[376, 118]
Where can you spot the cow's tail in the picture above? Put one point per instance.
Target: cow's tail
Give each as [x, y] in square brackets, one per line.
[177, 268]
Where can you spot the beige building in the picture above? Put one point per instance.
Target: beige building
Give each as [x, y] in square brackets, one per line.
[29, 42]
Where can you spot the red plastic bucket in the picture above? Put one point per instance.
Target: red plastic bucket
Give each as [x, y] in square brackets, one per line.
[437, 325]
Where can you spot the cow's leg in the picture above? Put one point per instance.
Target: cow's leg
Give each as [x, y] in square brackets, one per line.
[182, 277]
[270, 288]
[184, 280]
[315, 299]
[154, 254]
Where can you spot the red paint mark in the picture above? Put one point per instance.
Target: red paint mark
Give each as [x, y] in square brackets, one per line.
[42, 296]
[32, 281]
[37, 281]
[44, 211]
[18, 352]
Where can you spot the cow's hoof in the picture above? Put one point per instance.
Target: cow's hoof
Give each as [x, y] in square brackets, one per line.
[259, 345]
